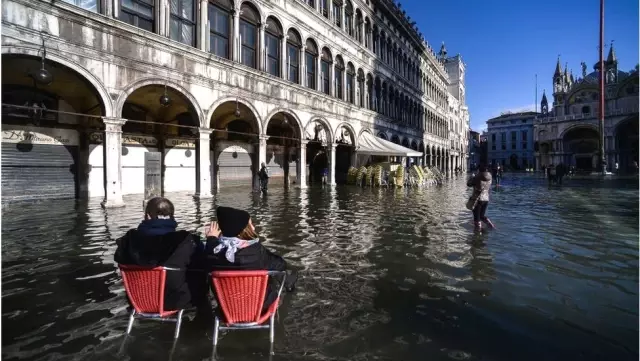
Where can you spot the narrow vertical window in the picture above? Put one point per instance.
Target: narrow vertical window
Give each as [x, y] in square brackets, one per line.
[182, 22]
[138, 13]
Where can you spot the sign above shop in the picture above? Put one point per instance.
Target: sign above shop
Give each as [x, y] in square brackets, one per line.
[180, 143]
[127, 139]
[37, 135]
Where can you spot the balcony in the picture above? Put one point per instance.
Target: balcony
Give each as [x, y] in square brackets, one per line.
[608, 113]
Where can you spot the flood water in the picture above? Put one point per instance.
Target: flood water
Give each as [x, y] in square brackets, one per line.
[385, 275]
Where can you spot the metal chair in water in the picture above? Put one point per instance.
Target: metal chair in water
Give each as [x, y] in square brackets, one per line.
[240, 297]
[145, 289]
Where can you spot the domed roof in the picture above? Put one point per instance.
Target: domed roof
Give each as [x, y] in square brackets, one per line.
[594, 77]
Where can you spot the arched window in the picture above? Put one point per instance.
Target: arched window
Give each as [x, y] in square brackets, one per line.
[140, 13]
[348, 18]
[361, 88]
[394, 60]
[324, 8]
[383, 43]
[391, 105]
[183, 24]
[384, 97]
[398, 114]
[337, 77]
[249, 19]
[378, 92]
[294, 43]
[370, 90]
[586, 109]
[375, 37]
[359, 22]
[351, 74]
[220, 27]
[272, 38]
[325, 65]
[367, 33]
[311, 54]
[336, 12]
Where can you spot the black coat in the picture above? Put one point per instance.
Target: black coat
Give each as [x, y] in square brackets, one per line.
[252, 258]
[176, 249]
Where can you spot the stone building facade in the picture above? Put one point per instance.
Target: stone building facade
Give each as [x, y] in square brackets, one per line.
[510, 140]
[569, 132]
[218, 87]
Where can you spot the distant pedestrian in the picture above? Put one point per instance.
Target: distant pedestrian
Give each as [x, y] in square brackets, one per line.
[479, 200]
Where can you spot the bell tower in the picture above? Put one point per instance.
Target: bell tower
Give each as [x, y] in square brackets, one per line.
[544, 104]
[559, 89]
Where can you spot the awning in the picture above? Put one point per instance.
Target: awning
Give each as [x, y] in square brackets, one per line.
[369, 144]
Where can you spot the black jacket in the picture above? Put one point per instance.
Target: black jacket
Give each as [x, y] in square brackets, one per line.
[175, 249]
[252, 258]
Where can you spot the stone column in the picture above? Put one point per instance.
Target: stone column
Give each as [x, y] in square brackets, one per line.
[203, 182]
[330, 10]
[301, 166]
[332, 88]
[113, 162]
[319, 72]
[302, 65]
[332, 164]
[285, 58]
[343, 19]
[262, 48]
[345, 96]
[361, 25]
[262, 150]
[237, 46]
[203, 24]
[161, 23]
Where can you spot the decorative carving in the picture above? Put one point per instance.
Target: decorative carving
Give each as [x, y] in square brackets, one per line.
[344, 136]
[113, 125]
[611, 76]
[583, 65]
[316, 132]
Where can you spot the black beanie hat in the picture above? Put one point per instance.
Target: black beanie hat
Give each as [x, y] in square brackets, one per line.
[232, 221]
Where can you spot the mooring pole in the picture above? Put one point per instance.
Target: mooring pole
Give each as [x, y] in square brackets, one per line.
[603, 165]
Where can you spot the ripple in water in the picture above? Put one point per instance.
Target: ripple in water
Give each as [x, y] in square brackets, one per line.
[385, 275]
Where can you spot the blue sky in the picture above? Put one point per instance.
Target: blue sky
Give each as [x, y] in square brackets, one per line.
[505, 43]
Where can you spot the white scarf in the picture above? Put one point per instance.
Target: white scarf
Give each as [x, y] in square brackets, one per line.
[231, 244]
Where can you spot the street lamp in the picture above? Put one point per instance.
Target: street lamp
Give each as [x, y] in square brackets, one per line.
[165, 100]
[42, 76]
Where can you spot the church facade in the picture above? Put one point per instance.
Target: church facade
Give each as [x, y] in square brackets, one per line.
[568, 131]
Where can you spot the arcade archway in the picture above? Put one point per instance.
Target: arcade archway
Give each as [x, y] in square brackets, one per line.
[627, 145]
[581, 145]
[235, 145]
[283, 132]
[345, 140]
[160, 119]
[45, 154]
[318, 134]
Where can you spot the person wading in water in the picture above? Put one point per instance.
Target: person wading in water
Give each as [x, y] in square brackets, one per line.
[264, 177]
[481, 184]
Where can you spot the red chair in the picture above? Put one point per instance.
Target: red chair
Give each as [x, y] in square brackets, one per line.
[240, 296]
[145, 289]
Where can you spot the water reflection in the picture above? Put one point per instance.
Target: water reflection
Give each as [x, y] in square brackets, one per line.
[386, 274]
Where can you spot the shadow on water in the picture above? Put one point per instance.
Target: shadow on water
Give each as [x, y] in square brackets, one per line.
[391, 274]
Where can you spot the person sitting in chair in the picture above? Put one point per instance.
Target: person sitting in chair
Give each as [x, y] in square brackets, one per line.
[236, 247]
[156, 242]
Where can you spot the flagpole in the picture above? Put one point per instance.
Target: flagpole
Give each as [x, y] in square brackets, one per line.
[603, 165]
[536, 93]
